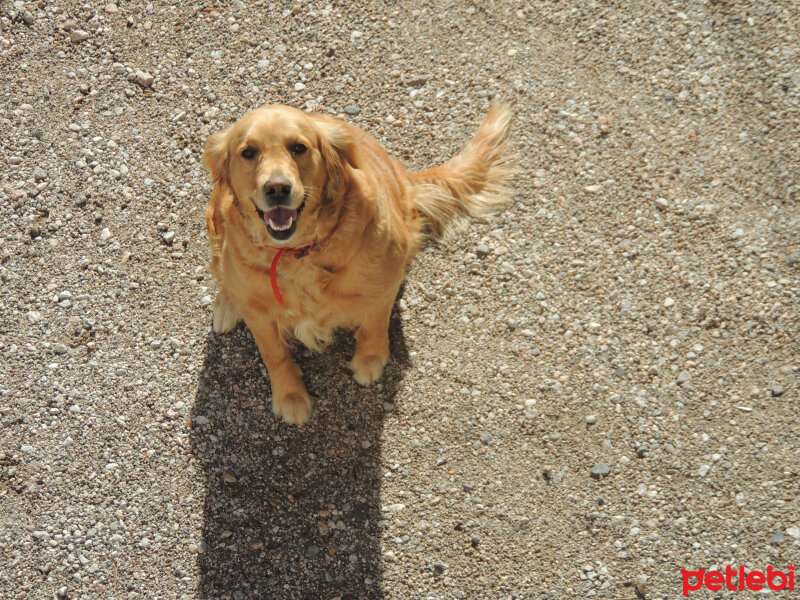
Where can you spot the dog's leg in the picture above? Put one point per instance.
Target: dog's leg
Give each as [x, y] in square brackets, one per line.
[372, 346]
[226, 317]
[290, 399]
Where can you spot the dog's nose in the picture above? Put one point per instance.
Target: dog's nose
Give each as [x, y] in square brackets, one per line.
[277, 190]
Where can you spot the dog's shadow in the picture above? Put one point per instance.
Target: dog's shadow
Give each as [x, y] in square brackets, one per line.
[290, 512]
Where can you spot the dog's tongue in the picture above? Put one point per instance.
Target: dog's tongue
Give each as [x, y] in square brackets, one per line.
[280, 217]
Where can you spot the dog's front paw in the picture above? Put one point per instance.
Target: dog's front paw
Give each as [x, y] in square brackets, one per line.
[226, 317]
[294, 407]
[368, 369]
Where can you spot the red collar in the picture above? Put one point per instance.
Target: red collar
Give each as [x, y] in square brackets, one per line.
[273, 269]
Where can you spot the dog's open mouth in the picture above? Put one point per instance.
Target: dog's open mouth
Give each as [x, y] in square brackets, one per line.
[281, 222]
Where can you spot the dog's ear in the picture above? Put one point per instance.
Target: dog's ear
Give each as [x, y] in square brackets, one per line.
[215, 156]
[336, 146]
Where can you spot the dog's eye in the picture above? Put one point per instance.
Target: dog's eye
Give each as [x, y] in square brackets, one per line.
[297, 148]
[249, 153]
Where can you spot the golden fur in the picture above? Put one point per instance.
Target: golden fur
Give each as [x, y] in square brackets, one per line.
[367, 215]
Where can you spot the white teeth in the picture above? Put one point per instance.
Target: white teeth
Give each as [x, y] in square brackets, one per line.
[284, 228]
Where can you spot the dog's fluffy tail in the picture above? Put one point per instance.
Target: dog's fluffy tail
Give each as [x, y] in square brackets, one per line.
[472, 183]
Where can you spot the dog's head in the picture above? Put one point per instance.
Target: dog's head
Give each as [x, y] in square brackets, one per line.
[280, 164]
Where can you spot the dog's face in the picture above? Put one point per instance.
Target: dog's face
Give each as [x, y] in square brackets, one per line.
[281, 164]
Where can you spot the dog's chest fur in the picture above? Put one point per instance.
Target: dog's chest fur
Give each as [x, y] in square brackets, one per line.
[313, 305]
[316, 296]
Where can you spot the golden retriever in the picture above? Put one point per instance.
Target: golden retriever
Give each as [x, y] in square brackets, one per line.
[312, 225]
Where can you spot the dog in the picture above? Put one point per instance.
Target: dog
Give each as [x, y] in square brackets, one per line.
[312, 224]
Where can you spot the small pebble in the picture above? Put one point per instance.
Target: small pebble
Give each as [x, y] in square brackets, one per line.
[600, 470]
[78, 35]
[142, 78]
[777, 538]
[640, 583]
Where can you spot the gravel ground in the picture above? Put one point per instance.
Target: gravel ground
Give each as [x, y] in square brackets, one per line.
[591, 391]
